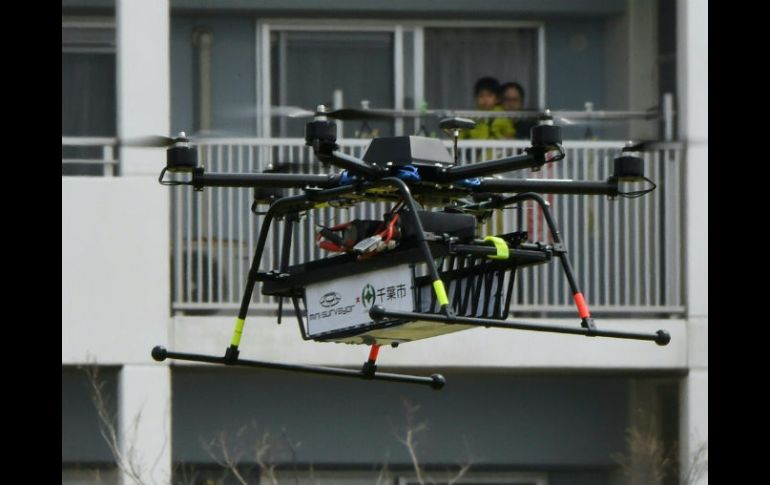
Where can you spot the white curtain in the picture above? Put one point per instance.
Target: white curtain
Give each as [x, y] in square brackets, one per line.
[456, 57]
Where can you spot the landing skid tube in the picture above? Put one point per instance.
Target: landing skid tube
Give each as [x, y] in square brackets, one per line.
[661, 337]
[436, 381]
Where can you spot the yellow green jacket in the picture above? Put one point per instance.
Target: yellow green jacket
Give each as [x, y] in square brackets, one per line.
[490, 128]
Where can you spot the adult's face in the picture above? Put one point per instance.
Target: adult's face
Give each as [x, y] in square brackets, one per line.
[512, 99]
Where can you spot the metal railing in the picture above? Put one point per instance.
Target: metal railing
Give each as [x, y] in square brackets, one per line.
[626, 252]
[89, 156]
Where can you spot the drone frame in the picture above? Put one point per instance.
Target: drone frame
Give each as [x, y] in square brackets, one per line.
[363, 181]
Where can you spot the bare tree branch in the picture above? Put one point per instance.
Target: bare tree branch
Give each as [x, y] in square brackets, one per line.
[293, 451]
[124, 459]
[409, 441]
[460, 474]
[412, 429]
[698, 464]
[185, 474]
[261, 450]
[646, 462]
[227, 461]
[384, 475]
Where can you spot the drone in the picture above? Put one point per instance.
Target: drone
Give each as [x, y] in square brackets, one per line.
[415, 273]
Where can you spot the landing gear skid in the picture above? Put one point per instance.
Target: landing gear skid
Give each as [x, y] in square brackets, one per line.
[368, 372]
[661, 337]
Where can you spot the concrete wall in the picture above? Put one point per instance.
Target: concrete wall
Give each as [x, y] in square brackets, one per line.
[692, 28]
[379, 7]
[115, 269]
[264, 340]
[489, 418]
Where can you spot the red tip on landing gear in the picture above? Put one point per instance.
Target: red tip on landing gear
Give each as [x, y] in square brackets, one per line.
[581, 305]
[374, 352]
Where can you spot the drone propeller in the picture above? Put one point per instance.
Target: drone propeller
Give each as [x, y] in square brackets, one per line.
[347, 114]
[342, 114]
[160, 141]
[649, 145]
[364, 113]
[152, 141]
[561, 117]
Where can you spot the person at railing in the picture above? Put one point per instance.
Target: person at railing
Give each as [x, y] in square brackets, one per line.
[512, 99]
[487, 94]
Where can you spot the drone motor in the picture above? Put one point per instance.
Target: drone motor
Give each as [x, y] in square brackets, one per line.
[321, 133]
[545, 133]
[629, 166]
[181, 157]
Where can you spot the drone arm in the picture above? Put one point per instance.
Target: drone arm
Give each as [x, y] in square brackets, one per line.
[545, 186]
[518, 162]
[201, 179]
[353, 164]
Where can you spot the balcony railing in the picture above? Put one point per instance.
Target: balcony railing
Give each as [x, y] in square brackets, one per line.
[626, 252]
[89, 156]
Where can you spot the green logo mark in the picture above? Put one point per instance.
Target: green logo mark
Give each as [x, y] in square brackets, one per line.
[367, 296]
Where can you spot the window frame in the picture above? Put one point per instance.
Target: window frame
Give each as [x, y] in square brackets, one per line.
[109, 160]
[263, 61]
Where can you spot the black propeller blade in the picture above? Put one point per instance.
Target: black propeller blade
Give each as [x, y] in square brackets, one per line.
[160, 141]
[650, 145]
[150, 141]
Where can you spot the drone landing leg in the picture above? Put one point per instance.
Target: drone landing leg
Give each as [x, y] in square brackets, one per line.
[585, 316]
[287, 233]
[436, 381]
[370, 366]
[661, 337]
[231, 354]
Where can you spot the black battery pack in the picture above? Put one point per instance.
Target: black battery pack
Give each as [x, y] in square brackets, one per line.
[461, 226]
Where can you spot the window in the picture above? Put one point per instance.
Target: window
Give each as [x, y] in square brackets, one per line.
[389, 65]
[88, 92]
[456, 57]
[349, 66]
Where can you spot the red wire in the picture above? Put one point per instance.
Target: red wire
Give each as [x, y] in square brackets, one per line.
[390, 228]
[384, 230]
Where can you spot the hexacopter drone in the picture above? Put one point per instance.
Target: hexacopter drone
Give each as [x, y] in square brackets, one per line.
[415, 273]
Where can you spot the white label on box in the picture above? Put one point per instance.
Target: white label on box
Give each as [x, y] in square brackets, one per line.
[345, 302]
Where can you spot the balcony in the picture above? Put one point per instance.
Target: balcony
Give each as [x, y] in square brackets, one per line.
[89, 156]
[626, 253]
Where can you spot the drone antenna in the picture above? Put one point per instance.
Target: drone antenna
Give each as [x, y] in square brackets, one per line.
[454, 125]
[455, 136]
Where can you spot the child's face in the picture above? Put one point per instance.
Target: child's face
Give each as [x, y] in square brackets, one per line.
[486, 99]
